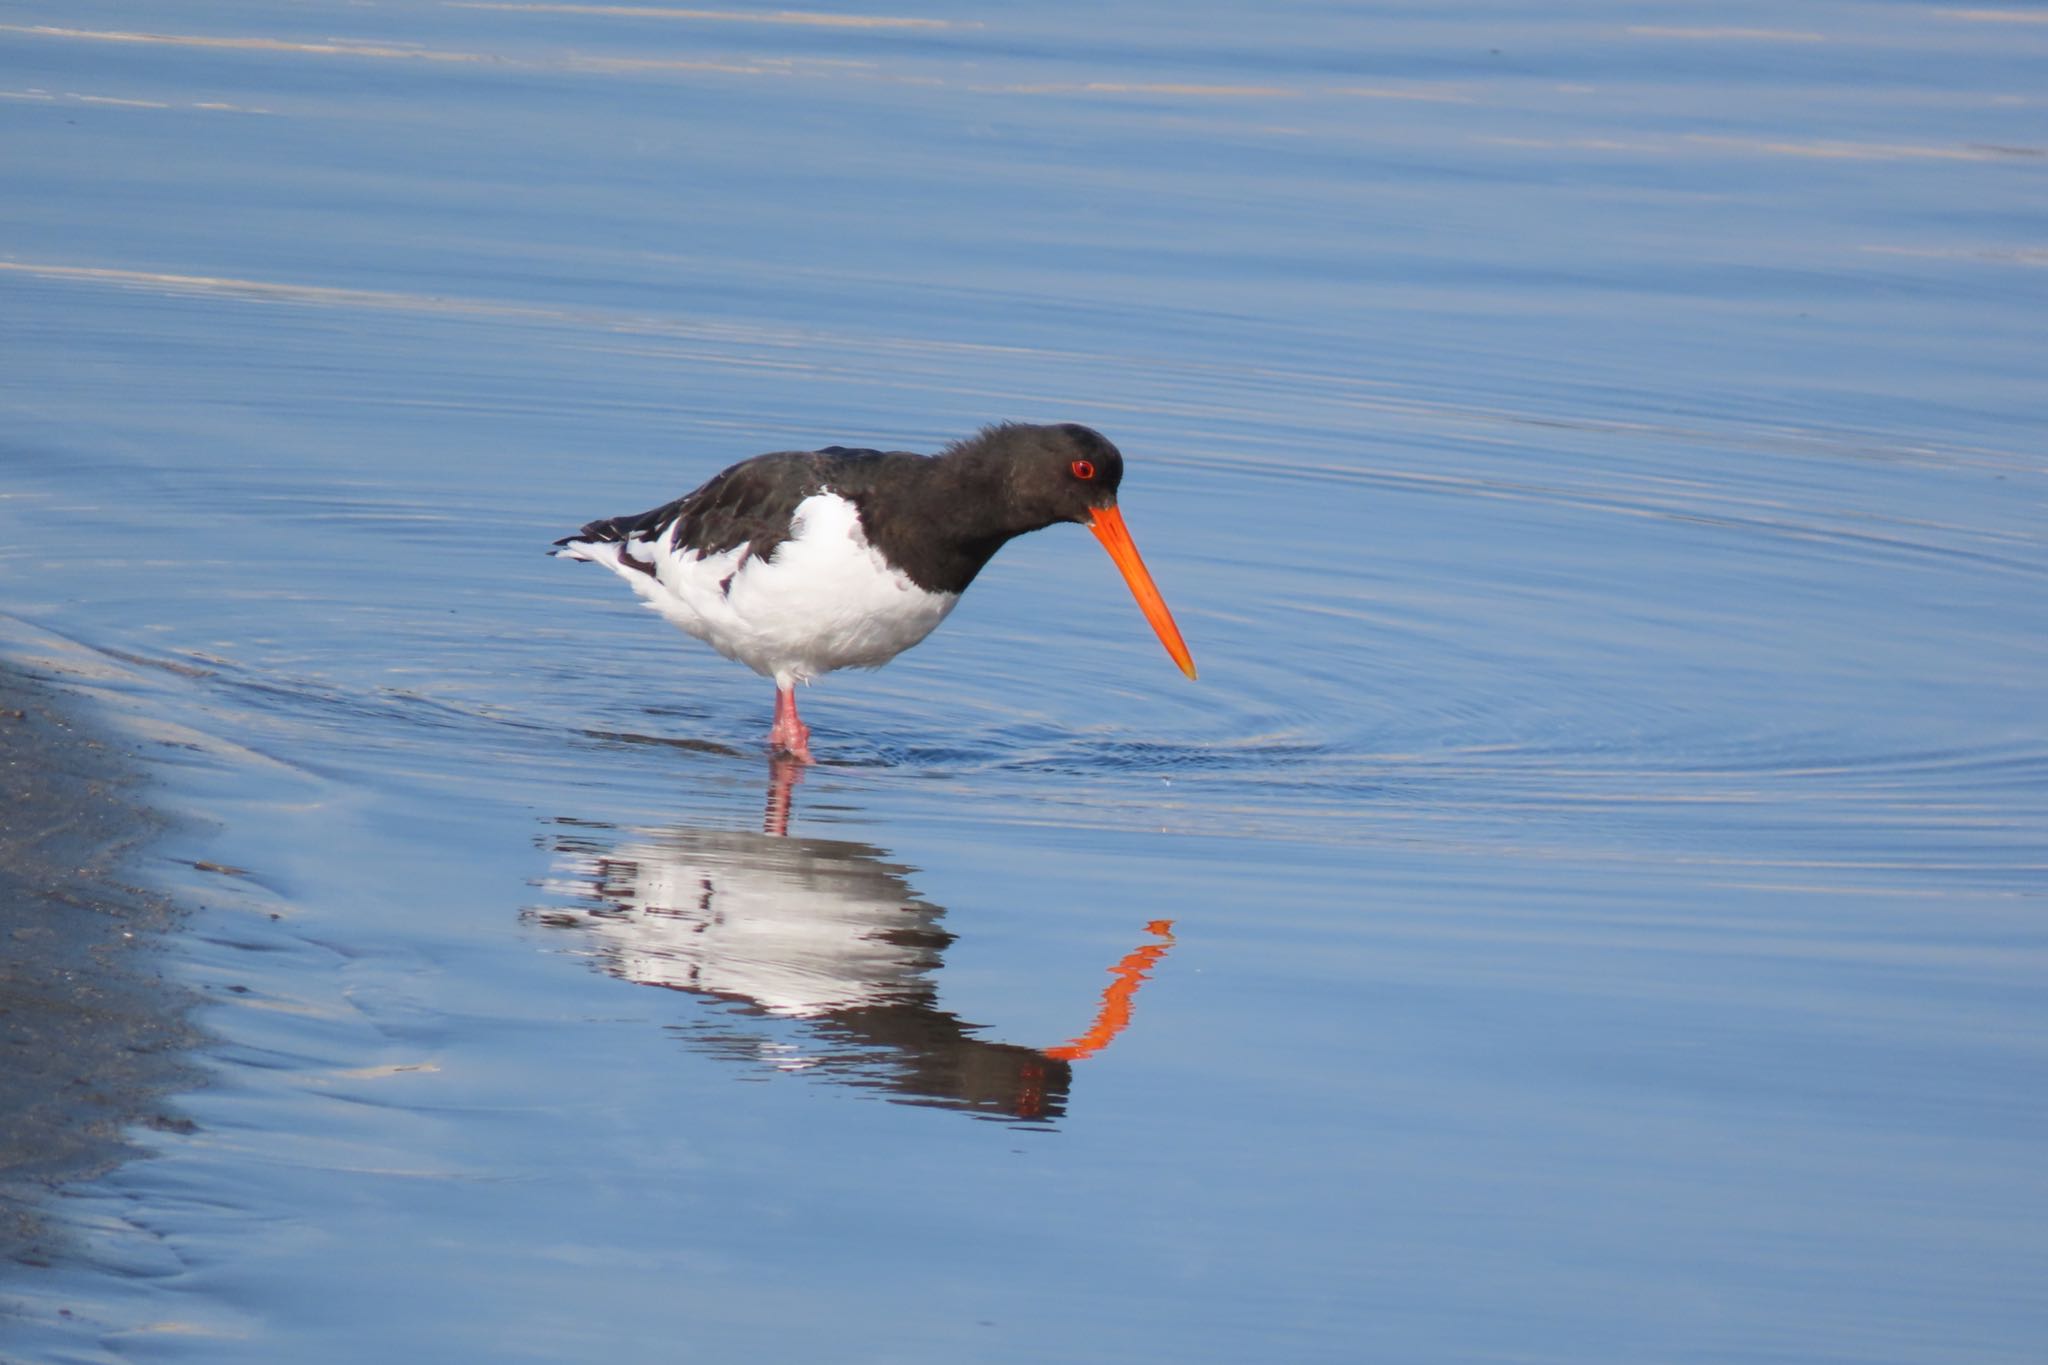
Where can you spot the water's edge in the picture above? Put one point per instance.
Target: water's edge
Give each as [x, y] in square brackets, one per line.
[96, 1033]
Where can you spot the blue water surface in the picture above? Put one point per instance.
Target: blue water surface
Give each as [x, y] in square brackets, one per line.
[1589, 909]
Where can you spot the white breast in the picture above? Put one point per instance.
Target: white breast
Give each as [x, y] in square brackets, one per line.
[826, 600]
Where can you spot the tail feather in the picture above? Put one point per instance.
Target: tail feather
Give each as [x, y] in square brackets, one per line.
[608, 531]
[600, 532]
[611, 543]
[618, 530]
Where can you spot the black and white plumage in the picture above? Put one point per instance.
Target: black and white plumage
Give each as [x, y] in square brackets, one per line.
[802, 562]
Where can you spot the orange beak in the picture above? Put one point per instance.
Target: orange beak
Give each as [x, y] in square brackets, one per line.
[1108, 526]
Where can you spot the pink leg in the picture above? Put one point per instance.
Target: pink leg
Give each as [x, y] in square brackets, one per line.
[790, 735]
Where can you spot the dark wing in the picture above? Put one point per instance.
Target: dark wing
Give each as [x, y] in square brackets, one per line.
[749, 504]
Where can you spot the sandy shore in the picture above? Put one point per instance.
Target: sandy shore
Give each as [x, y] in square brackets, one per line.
[92, 1033]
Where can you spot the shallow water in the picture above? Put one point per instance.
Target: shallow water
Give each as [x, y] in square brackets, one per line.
[1590, 908]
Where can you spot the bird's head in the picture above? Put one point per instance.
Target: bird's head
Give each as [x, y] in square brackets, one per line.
[1068, 472]
[1065, 472]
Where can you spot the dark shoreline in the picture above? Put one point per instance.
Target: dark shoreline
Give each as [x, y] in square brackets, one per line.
[92, 1035]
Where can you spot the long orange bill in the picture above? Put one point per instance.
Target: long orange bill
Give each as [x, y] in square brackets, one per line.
[1108, 526]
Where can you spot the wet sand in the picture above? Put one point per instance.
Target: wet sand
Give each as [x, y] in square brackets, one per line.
[92, 1030]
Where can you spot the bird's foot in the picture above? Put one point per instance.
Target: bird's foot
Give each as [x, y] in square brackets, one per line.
[790, 735]
[794, 747]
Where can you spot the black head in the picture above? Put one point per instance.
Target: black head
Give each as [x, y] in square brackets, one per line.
[1014, 478]
[1049, 474]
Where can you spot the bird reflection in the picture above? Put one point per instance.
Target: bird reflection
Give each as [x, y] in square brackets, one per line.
[824, 933]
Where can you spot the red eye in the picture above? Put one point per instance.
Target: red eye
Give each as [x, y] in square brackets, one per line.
[1082, 469]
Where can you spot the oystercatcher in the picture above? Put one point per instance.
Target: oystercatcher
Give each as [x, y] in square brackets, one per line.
[801, 562]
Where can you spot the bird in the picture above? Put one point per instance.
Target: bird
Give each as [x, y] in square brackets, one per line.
[797, 563]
